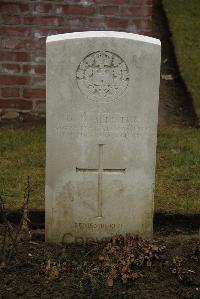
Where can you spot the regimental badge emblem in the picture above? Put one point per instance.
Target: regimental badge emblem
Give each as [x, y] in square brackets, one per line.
[102, 76]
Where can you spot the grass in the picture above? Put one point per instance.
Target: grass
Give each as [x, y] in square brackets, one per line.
[22, 153]
[184, 22]
[178, 171]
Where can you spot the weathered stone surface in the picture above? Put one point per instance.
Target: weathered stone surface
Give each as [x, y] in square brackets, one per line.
[102, 102]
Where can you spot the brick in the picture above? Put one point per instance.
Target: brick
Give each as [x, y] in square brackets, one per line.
[16, 104]
[63, 30]
[34, 93]
[9, 20]
[11, 43]
[18, 32]
[75, 9]
[40, 106]
[108, 23]
[109, 10]
[43, 20]
[13, 7]
[43, 32]
[10, 115]
[9, 92]
[32, 44]
[97, 23]
[147, 33]
[76, 23]
[112, 2]
[79, 2]
[13, 79]
[34, 69]
[38, 82]
[141, 2]
[14, 56]
[143, 11]
[117, 23]
[10, 68]
[142, 23]
[29, 44]
[42, 7]
[38, 57]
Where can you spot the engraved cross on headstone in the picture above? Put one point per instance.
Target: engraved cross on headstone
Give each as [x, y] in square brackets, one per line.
[100, 170]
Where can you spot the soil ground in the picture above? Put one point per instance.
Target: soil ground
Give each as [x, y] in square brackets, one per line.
[68, 271]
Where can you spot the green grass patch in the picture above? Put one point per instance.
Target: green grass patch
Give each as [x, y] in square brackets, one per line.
[22, 154]
[178, 171]
[184, 23]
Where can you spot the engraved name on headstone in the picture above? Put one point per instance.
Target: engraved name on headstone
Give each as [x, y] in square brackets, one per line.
[102, 103]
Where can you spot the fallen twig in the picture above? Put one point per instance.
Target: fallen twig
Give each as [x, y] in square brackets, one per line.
[8, 231]
[23, 227]
[24, 223]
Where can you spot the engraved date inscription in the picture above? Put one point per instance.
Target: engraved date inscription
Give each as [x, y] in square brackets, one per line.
[97, 226]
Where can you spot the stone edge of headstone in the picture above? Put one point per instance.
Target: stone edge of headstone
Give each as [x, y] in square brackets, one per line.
[91, 34]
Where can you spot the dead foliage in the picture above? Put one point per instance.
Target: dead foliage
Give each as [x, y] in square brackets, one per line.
[51, 269]
[183, 267]
[13, 235]
[124, 258]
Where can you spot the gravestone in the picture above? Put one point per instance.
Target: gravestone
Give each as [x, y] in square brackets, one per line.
[102, 105]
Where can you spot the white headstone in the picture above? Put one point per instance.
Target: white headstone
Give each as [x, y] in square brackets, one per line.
[102, 104]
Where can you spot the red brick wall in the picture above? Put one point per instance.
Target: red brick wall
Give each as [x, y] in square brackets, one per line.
[24, 26]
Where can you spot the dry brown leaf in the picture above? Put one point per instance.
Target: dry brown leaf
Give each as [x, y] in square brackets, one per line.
[109, 282]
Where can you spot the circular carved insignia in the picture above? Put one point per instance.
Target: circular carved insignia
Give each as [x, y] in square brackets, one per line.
[102, 75]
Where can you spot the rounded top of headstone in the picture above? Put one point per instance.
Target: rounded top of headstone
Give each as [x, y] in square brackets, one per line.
[103, 34]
